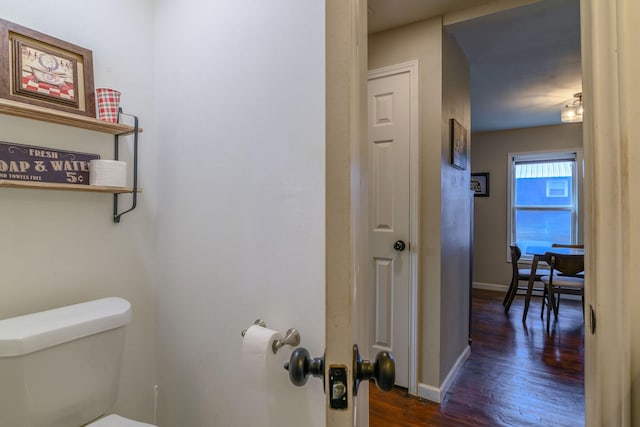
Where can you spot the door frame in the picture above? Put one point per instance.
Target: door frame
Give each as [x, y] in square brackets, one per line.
[346, 200]
[608, 31]
[412, 67]
[609, 69]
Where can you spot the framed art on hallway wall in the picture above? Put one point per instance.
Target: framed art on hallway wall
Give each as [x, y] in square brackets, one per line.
[480, 184]
[458, 145]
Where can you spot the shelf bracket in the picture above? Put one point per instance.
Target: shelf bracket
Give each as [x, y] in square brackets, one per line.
[134, 194]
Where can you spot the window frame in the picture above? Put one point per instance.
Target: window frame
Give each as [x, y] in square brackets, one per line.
[577, 218]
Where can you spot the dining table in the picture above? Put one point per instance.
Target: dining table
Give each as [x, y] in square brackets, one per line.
[538, 252]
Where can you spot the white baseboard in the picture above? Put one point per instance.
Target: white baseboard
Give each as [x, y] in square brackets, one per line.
[490, 286]
[435, 394]
[429, 392]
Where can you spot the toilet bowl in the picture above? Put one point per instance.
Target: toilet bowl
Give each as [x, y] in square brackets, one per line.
[117, 421]
[60, 367]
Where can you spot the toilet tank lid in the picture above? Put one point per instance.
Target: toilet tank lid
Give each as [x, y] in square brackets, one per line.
[32, 332]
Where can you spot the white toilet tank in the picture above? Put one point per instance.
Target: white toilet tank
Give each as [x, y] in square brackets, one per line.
[60, 368]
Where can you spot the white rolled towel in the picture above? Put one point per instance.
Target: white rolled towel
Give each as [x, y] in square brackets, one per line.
[108, 173]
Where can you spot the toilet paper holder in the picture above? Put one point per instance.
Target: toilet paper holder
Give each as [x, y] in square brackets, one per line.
[258, 322]
[292, 337]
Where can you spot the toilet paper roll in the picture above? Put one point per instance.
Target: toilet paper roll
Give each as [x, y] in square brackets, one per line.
[258, 361]
[109, 173]
[263, 382]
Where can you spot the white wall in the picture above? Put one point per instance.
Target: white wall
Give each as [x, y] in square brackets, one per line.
[238, 153]
[240, 109]
[59, 247]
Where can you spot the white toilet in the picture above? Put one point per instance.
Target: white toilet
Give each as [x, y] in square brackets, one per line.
[60, 367]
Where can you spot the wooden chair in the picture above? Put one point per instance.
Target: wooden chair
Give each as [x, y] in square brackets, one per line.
[563, 278]
[520, 274]
[565, 245]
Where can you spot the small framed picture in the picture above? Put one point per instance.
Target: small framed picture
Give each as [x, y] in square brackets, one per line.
[41, 70]
[480, 184]
[458, 145]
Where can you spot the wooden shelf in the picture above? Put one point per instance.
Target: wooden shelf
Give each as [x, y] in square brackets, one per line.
[34, 112]
[65, 187]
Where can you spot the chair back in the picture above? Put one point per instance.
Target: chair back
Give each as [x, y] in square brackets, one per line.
[516, 253]
[562, 245]
[569, 265]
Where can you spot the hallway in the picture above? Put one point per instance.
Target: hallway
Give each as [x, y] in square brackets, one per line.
[516, 375]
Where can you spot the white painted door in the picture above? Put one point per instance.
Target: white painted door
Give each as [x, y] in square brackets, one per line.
[389, 219]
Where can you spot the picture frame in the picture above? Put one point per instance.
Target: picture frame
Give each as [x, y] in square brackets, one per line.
[42, 70]
[458, 145]
[480, 184]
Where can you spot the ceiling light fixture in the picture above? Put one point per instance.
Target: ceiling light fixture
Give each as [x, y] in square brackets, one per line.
[572, 110]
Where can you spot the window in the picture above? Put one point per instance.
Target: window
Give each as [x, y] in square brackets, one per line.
[557, 188]
[543, 202]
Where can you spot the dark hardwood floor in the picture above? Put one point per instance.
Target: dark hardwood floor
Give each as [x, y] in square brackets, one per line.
[517, 375]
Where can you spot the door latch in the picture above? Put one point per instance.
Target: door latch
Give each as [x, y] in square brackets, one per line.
[382, 371]
[338, 389]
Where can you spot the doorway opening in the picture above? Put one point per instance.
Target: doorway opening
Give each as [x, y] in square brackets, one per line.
[517, 111]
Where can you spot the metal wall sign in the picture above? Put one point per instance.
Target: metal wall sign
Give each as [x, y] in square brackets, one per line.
[20, 162]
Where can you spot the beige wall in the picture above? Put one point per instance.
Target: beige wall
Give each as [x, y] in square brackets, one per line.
[490, 218]
[424, 41]
[456, 210]
[59, 247]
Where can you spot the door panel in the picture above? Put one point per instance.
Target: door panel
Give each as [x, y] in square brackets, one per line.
[383, 185]
[389, 137]
[384, 300]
